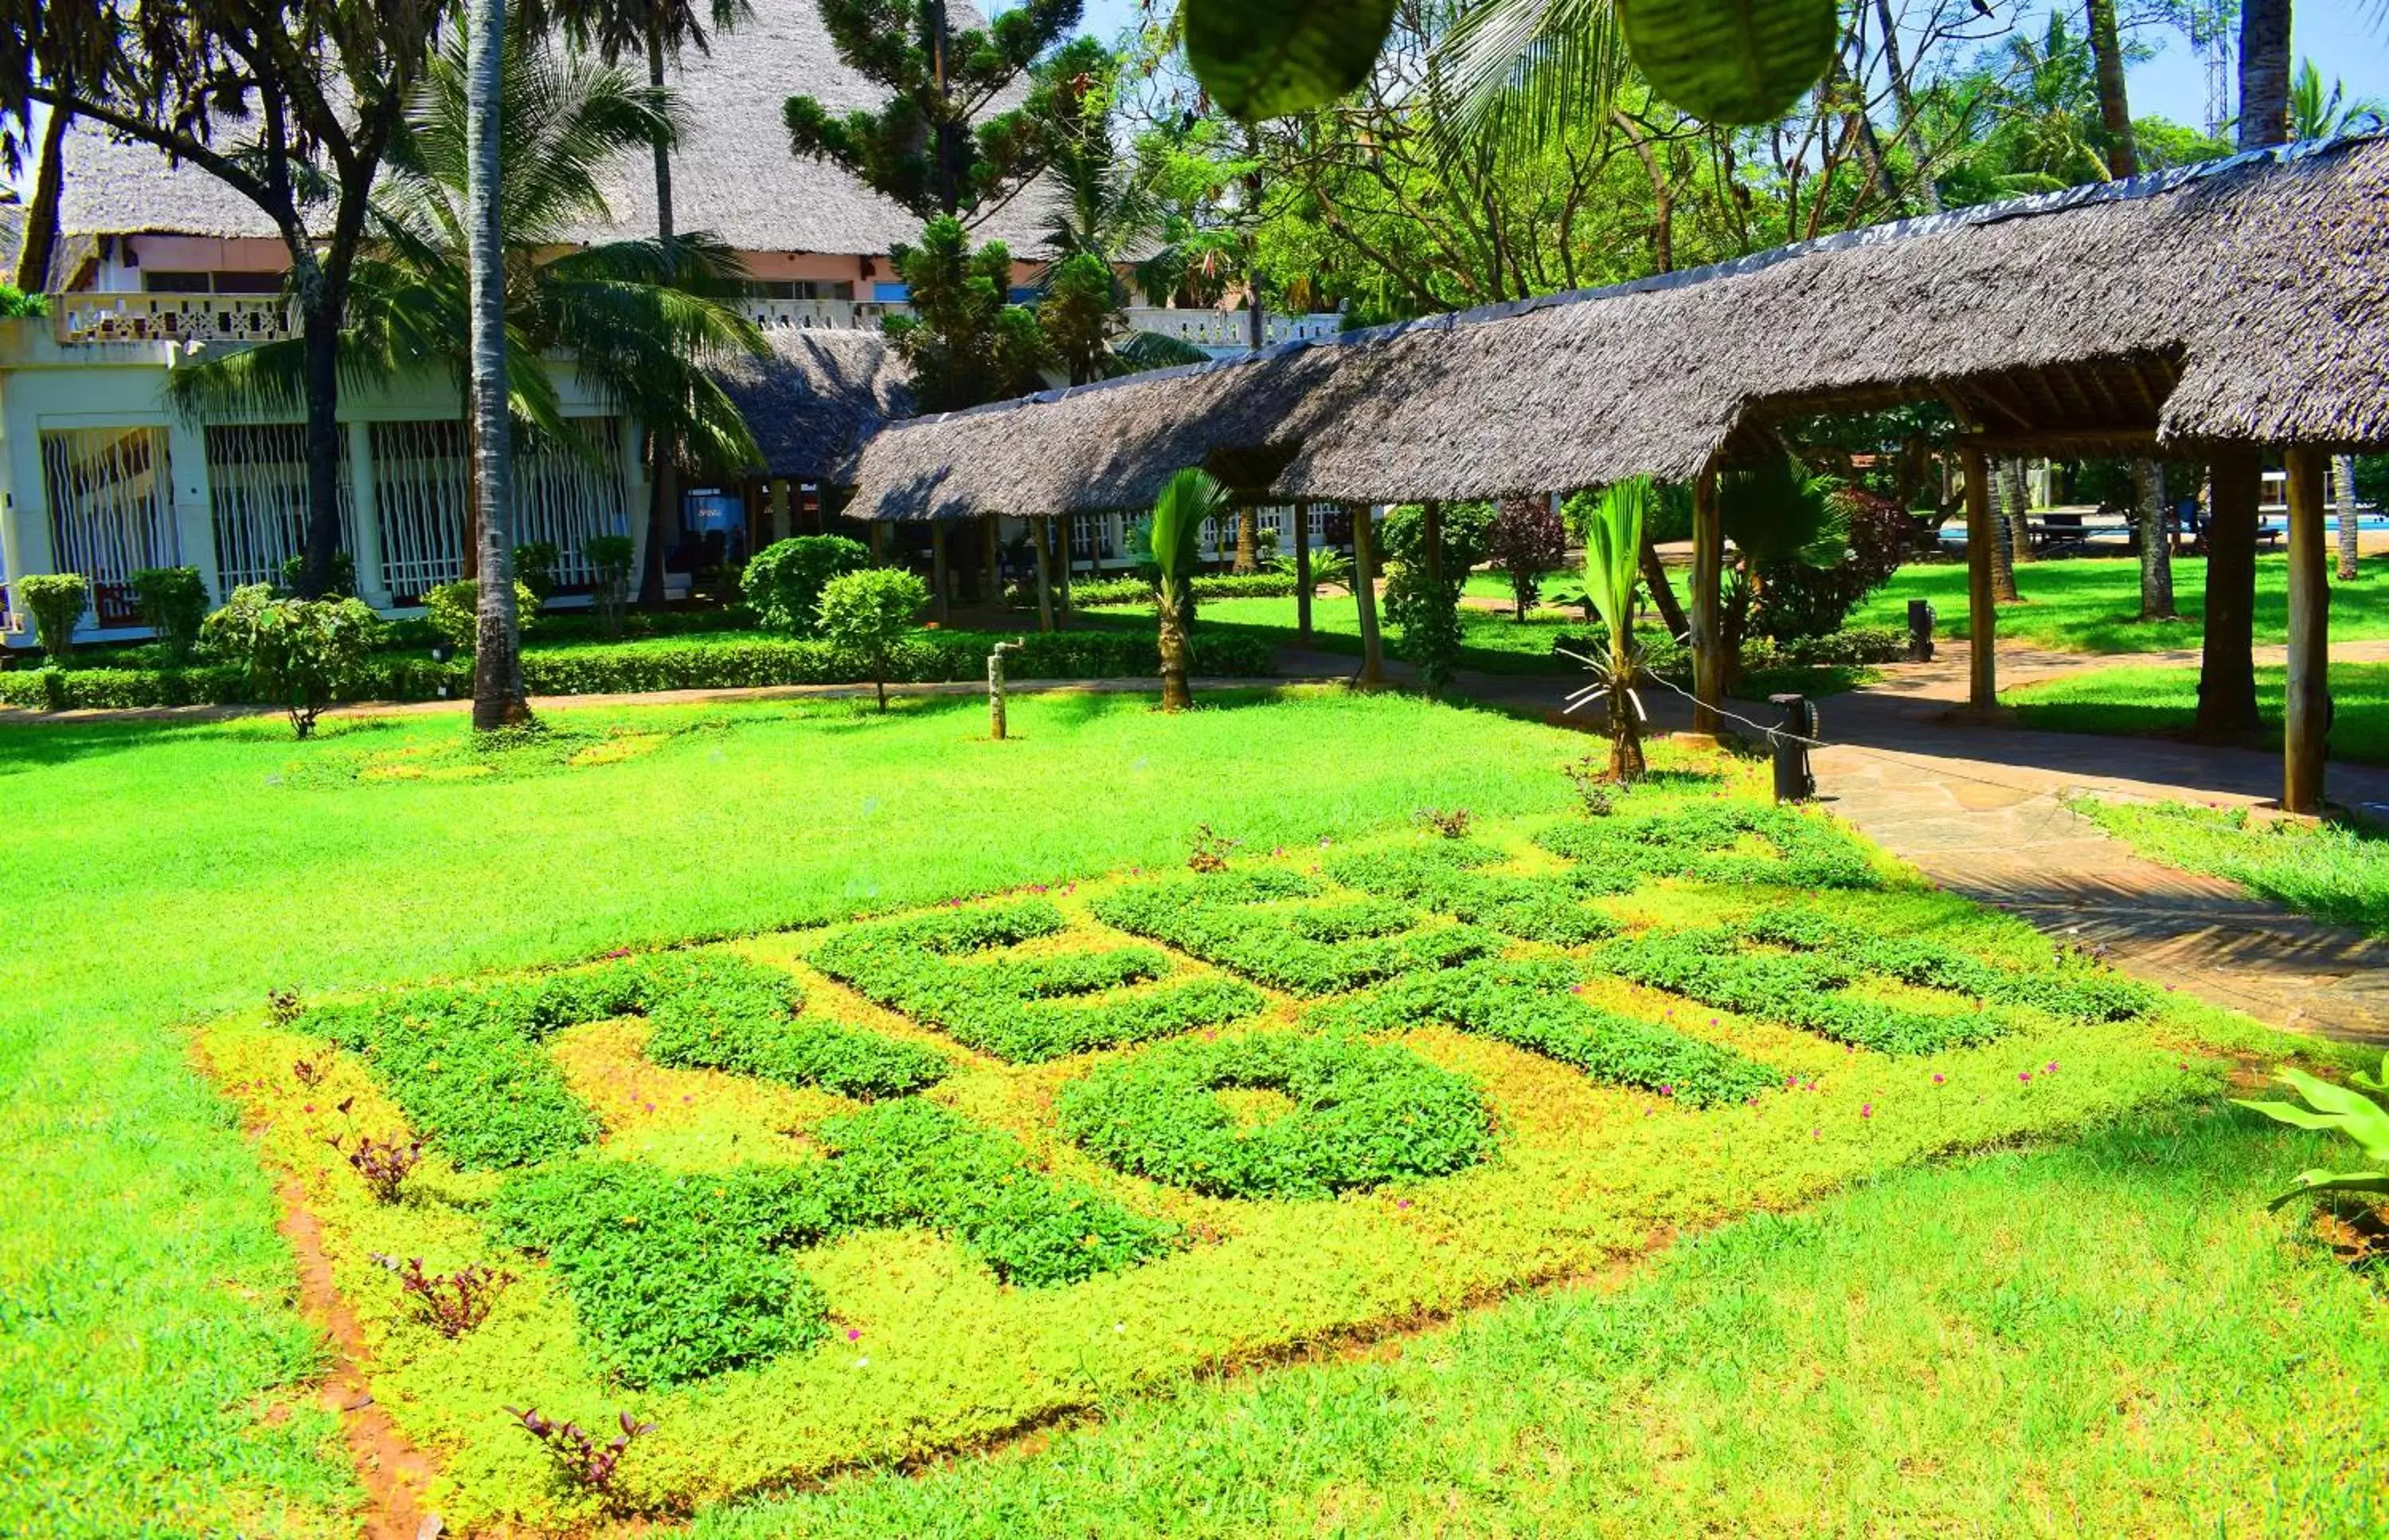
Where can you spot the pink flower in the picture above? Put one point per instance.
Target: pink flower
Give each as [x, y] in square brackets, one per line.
[1667, 1090]
[853, 1334]
[1866, 1111]
[2052, 1067]
[2023, 1075]
[1936, 1079]
[1576, 988]
[1403, 1204]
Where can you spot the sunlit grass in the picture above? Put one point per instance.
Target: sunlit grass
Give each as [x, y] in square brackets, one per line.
[2335, 871]
[2158, 699]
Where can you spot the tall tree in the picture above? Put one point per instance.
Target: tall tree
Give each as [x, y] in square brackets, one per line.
[37, 247]
[964, 341]
[933, 147]
[497, 656]
[657, 31]
[290, 102]
[2264, 73]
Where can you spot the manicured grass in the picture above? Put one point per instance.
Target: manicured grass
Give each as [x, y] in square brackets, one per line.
[2335, 871]
[2164, 699]
[2092, 603]
[2104, 1338]
[1490, 641]
[153, 1367]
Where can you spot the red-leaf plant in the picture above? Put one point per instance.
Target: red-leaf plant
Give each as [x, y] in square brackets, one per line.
[451, 1304]
[383, 1164]
[579, 1458]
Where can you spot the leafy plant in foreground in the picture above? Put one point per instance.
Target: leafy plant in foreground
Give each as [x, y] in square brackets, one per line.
[1190, 499]
[57, 600]
[300, 653]
[865, 615]
[383, 1164]
[1452, 823]
[580, 1459]
[2335, 1109]
[451, 1304]
[173, 600]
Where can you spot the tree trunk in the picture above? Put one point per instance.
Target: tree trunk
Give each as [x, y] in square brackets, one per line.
[2306, 705]
[1626, 763]
[2342, 468]
[1710, 641]
[2015, 491]
[2227, 681]
[1663, 593]
[1249, 539]
[1302, 570]
[320, 336]
[2002, 544]
[1903, 93]
[497, 656]
[2264, 73]
[1037, 537]
[1364, 594]
[2115, 105]
[663, 466]
[40, 240]
[1170, 607]
[2156, 543]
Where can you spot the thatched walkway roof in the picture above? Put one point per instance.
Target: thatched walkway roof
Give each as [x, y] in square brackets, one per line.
[2247, 300]
[815, 402]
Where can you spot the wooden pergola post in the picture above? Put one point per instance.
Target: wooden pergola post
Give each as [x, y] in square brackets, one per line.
[779, 509]
[1707, 617]
[2227, 681]
[991, 553]
[1060, 530]
[879, 543]
[940, 579]
[1302, 570]
[1983, 532]
[1038, 529]
[1364, 592]
[2305, 714]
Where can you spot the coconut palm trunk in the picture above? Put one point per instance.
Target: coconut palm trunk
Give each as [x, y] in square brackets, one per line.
[2156, 543]
[497, 656]
[2004, 583]
[40, 238]
[2342, 468]
[2015, 493]
[1175, 653]
[1249, 539]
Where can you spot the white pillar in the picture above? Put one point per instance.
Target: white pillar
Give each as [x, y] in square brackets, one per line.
[364, 511]
[192, 507]
[636, 493]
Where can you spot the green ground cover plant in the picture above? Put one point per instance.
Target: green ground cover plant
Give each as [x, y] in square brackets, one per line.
[2163, 700]
[1445, 877]
[1242, 921]
[2337, 871]
[1361, 1116]
[1022, 1010]
[1715, 842]
[163, 1378]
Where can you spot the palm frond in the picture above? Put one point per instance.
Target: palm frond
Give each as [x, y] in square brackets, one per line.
[1187, 499]
[1612, 552]
[1138, 351]
[1512, 73]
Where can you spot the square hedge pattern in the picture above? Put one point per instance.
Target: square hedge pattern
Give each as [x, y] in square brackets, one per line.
[909, 1185]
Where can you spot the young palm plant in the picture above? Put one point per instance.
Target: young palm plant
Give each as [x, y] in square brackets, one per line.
[1613, 569]
[1190, 497]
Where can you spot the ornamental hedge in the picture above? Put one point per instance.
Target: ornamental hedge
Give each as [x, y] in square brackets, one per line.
[1363, 1114]
[676, 1275]
[1024, 1010]
[1237, 919]
[1108, 591]
[603, 669]
[1533, 1005]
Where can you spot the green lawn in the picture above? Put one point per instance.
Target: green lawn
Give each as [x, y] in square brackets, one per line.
[2101, 1339]
[2335, 872]
[2092, 605]
[154, 1370]
[2164, 699]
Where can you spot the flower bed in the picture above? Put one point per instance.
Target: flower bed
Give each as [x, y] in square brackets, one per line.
[904, 1185]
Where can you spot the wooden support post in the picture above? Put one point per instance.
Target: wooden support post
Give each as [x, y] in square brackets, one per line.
[1707, 617]
[992, 553]
[2305, 715]
[940, 579]
[2227, 677]
[1364, 593]
[1302, 570]
[879, 543]
[1060, 529]
[779, 509]
[1983, 533]
[1039, 532]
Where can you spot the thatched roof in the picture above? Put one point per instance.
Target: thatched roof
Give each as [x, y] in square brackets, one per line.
[2248, 300]
[733, 174]
[816, 399]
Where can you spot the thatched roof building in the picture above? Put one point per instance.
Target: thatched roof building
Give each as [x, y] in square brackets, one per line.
[2243, 301]
[815, 402]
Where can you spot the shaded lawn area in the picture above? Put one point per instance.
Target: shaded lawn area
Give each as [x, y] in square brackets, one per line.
[2092, 605]
[2335, 871]
[153, 1367]
[2106, 1338]
[2160, 699]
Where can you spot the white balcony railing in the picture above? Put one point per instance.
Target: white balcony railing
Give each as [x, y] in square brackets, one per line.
[1226, 332]
[98, 317]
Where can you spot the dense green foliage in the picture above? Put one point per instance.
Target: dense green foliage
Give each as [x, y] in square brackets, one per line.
[1708, 842]
[1441, 876]
[1361, 1116]
[675, 1274]
[301, 655]
[454, 611]
[1236, 920]
[783, 583]
[867, 615]
[1103, 591]
[1422, 596]
[1022, 1009]
[58, 600]
[173, 603]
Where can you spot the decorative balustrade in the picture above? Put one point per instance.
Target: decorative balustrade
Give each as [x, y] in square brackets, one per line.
[101, 317]
[820, 314]
[1230, 331]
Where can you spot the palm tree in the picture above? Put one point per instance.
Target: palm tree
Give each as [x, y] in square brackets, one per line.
[641, 318]
[1613, 569]
[657, 29]
[1189, 497]
[2264, 73]
[497, 656]
[2319, 114]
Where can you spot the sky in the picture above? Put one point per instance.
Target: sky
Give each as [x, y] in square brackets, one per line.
[2345, 38]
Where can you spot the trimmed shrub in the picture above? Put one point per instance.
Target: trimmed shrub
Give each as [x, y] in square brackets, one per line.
[609, 556]
[1363, 1114]
[726, 1013]
[784, 581]
[344, 576]
[866, 616]
[535, 571]
[1532, 1005]
[673, 1274]
[1221, 918]
[1442, 877]
[300, 653]
[56, 602]
[1103, 592]
[1617, 854]
[173, 600]
[1022, 1010]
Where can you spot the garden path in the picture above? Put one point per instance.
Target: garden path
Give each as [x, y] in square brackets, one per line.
[1981, 808]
